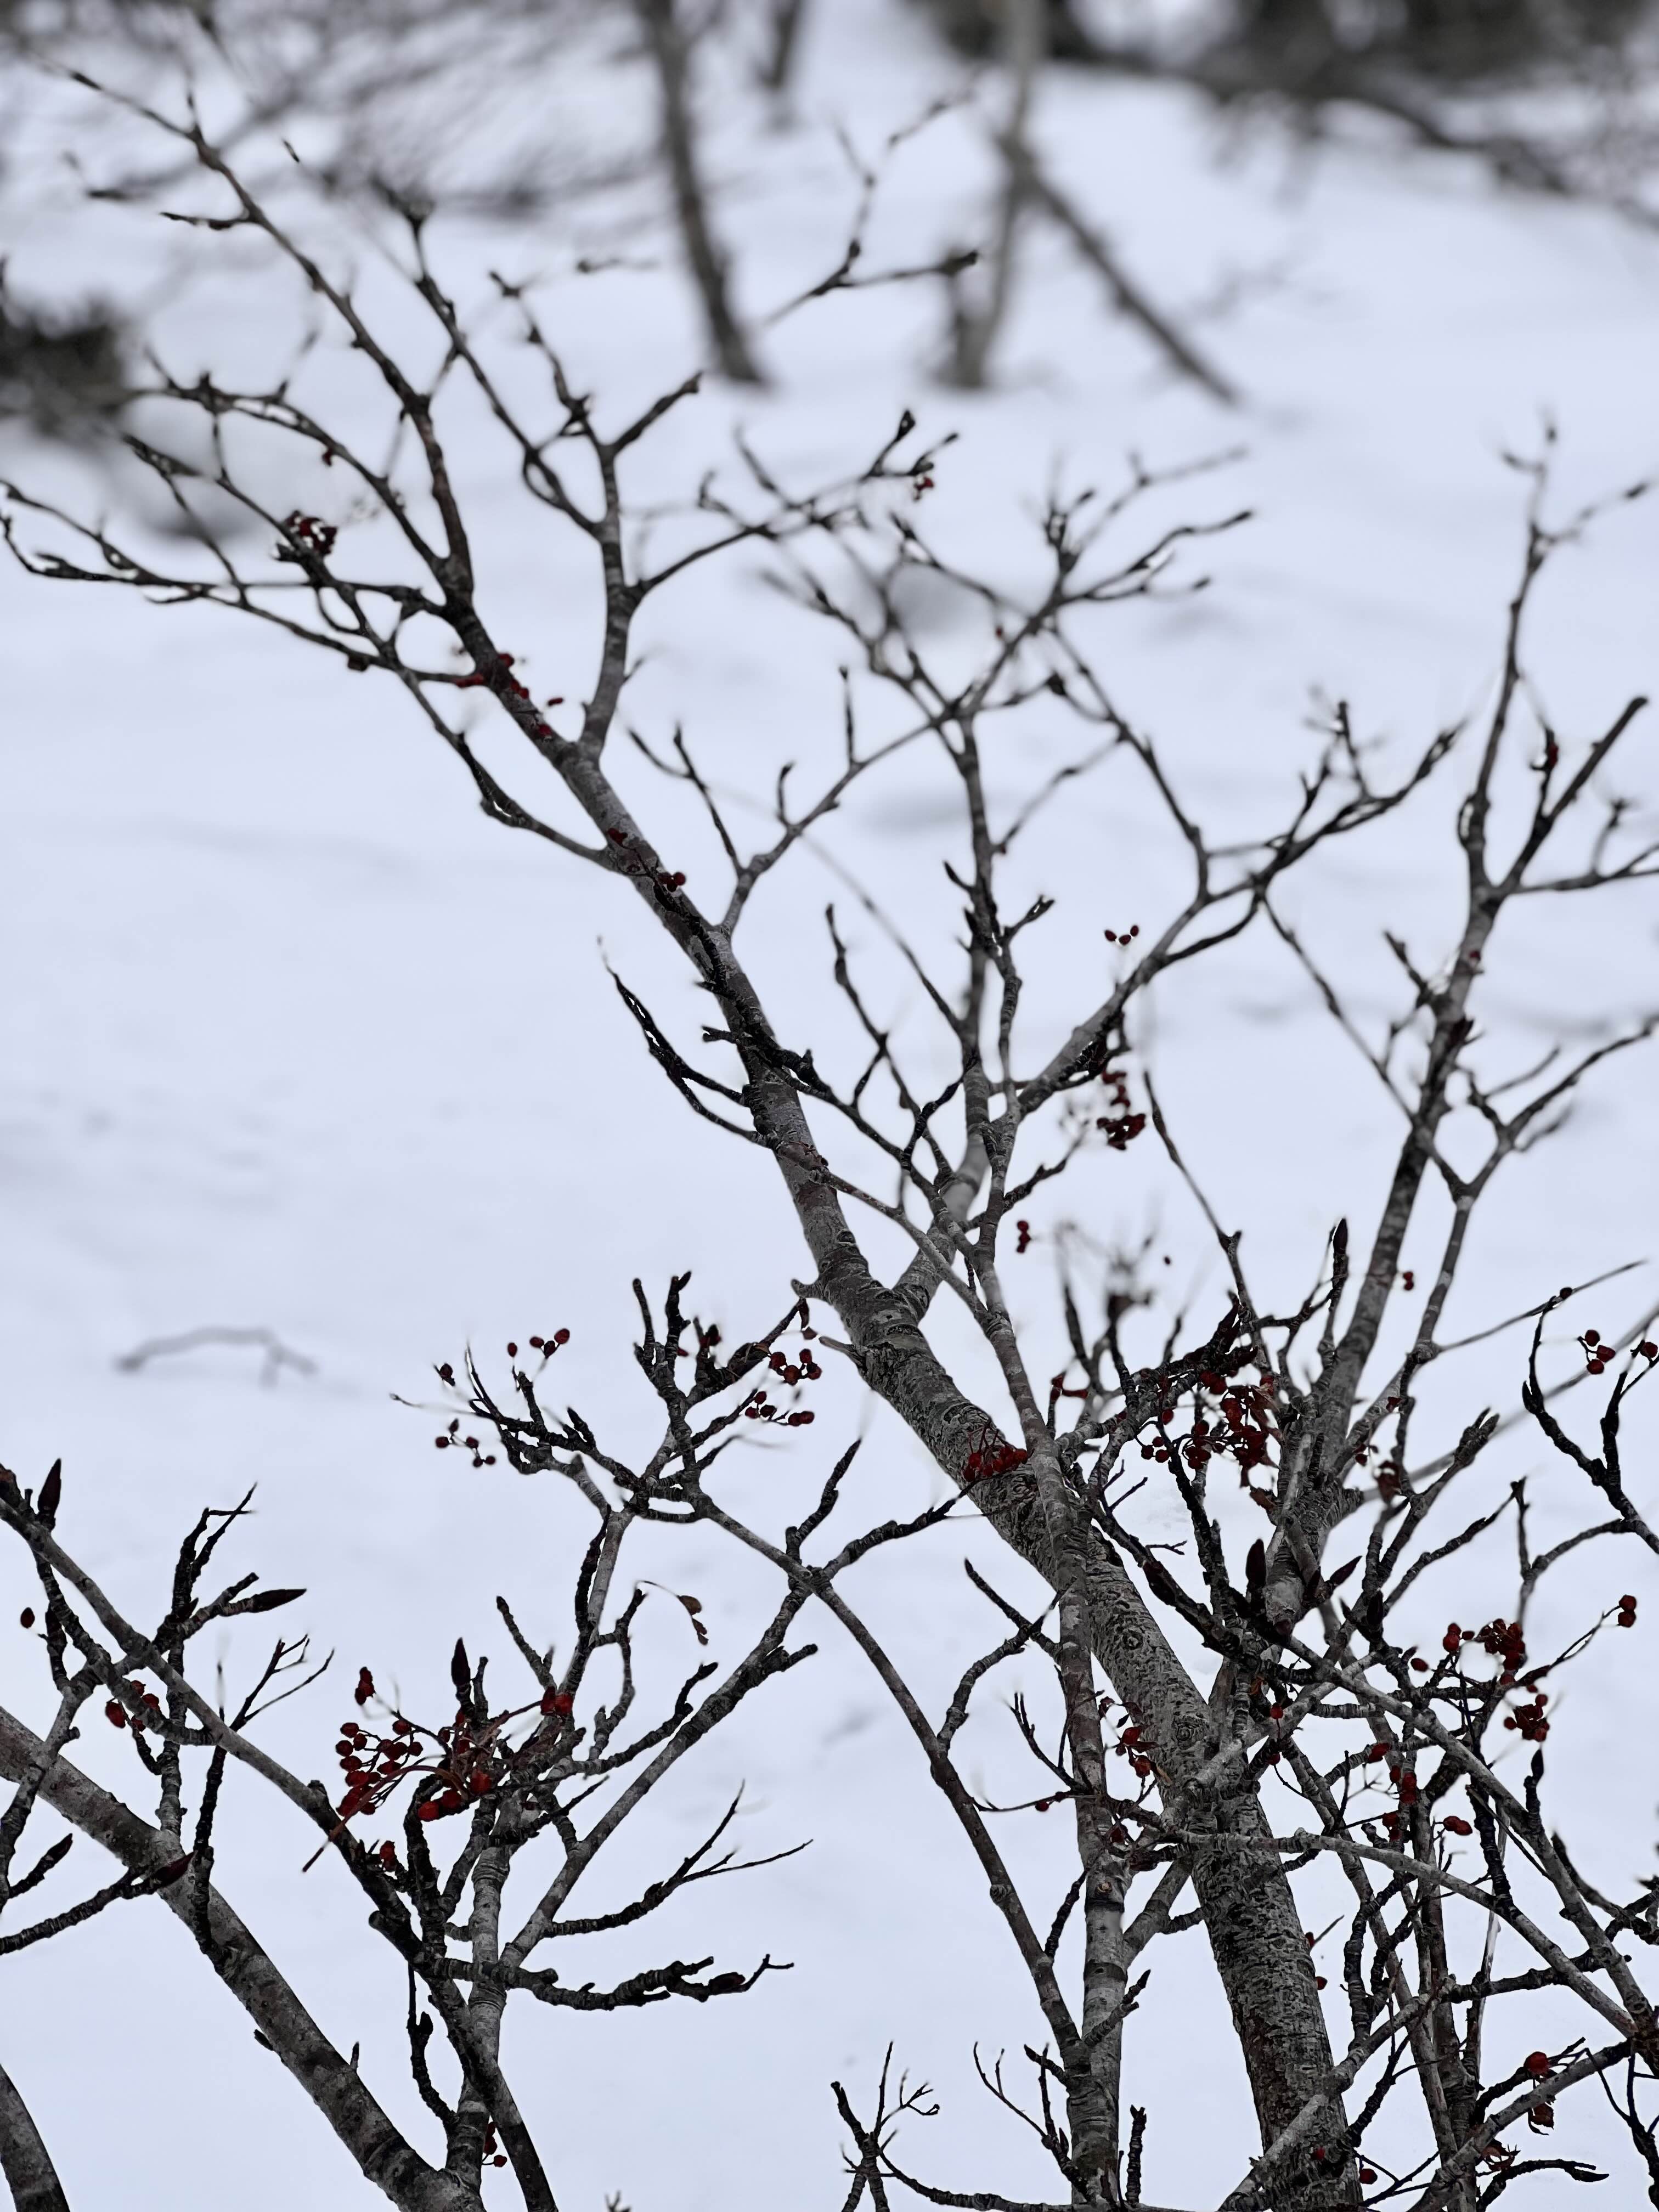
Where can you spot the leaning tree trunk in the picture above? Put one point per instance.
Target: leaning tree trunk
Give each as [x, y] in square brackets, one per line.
[24, 2159]
[709, 269]
[1251, 1914]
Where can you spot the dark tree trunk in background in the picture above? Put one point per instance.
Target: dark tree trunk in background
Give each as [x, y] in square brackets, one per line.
[778, 67]
[707, 262]
[976, 27]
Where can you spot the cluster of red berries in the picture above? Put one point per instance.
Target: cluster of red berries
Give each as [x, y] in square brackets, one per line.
[1499, 1640]
[1403, 1779]
[453, 1435]
[1598, 1352]
[373, 1766]
[146, 1705]
[1122, 936]
[547, 1345]
[1528, 1720]
[1127, 1746]
[465, 1762]
[761, 1408]
[1627, 1611]
[990, 1456]
[1244, 1432]
[1023, 1233]
[1246, 1410]
[802, 1368]
[1121, 1127]
[314, 536]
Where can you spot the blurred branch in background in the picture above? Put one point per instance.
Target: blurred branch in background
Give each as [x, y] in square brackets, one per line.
[663, 21]
[1557, 99]
[464, 104]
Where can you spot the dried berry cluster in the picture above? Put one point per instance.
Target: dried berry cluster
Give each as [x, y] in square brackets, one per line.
[464, 1759]
[308, 536]
[792, 1373]
[1598, 1352]
[990, 1457]
[1121, 1124]
[139, 1707]
[1242, 1430]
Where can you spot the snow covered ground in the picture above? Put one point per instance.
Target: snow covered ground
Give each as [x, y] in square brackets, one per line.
[293, 1038]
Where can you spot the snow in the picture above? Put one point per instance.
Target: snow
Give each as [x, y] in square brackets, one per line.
[293, 1038]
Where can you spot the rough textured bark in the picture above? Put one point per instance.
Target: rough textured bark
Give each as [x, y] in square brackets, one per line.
[24, 2159]
[329, 2080]
[1251, 1914]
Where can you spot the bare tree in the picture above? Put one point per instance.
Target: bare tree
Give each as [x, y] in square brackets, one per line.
[1279, 1724]
[782, 53]
[979, 315]
[1454, 75]
[665, 31]
[976, 325]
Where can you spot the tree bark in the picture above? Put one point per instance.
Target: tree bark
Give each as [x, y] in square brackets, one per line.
[24, 2159]
[1251, 1914]
[329, 2080]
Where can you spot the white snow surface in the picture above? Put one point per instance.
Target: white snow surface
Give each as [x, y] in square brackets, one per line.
[293, 1038]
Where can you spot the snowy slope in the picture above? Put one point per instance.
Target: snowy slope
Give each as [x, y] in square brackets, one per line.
[292, 1037]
